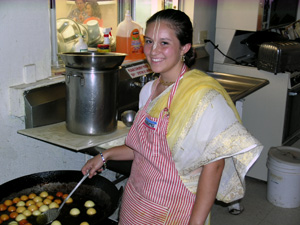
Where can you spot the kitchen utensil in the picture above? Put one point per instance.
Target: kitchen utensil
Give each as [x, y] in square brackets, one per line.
[91, 98]
[92, 60]
[68, 32]
[91, 91]
[52, 214]
[128, 117]
[103, 192]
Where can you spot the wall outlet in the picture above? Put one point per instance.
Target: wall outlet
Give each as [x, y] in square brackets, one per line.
[203, 36]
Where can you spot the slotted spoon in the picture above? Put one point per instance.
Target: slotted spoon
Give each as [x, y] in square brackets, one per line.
[51, 214]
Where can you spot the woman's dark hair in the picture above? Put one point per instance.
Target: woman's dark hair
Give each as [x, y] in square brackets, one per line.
[95, 7]
[183, 27]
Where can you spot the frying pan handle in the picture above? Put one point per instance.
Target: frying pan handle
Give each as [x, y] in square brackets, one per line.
[75, 188]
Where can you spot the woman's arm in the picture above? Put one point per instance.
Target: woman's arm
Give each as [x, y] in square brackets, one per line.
[206, 192]
[95, 164]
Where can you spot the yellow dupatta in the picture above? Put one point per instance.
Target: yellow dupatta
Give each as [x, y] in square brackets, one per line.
[192, 88]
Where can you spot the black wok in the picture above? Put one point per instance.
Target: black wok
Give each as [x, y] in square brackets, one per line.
[98, 189]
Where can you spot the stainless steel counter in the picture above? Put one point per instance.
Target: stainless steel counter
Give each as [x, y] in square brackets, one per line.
[59, 135]
[237, 86]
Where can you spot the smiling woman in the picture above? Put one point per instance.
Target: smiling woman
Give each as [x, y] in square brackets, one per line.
[187, 143]
[93, 11]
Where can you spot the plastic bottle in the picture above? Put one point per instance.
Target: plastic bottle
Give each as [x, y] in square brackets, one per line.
[129, 39]
[105, 47]
[81, 46]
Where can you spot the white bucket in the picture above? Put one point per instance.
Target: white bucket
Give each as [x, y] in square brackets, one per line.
[284, 176]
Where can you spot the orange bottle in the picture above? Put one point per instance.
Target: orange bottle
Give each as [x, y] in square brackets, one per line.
[129, 39]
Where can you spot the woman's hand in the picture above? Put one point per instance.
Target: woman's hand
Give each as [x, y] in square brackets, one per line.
[208, 186]
[93, 165]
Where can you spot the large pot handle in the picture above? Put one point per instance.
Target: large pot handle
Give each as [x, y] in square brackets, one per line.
[70, 74]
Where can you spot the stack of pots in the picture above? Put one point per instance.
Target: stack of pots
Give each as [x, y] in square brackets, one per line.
[91, 91]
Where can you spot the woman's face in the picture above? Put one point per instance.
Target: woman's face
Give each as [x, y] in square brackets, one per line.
[89, 10]
[162, 48]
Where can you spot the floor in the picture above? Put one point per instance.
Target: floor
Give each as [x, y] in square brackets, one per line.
[257, 209]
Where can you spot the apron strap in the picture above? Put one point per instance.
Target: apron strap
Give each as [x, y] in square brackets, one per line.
[174, 88]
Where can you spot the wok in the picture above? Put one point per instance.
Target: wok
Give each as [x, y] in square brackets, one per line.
[98, 189]
[92, 60]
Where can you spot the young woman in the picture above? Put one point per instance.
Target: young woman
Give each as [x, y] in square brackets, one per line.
[187, 143]
[93, 11]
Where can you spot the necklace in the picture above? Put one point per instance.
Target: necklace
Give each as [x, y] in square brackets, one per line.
[165, 83]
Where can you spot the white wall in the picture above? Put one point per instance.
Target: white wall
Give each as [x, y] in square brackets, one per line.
[25, 40]
[203, 15]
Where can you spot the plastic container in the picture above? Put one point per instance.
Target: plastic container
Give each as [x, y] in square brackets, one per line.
[129, 39]
[81, 46]
[283, 187]
[105, 47]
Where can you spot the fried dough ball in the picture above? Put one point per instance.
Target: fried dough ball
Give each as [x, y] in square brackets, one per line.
[37, 199]
[23, 222]
[11, 208]
[24, 197]
[65, 196]
[58, 201]
[55, 222]
[29, 203]
[44, 194]
[84, 223]
[70, 200]
[39, 204]
[20, 203]
[16, 200]
[36, 213]
[32, 208]
[20, 209]
[27, 213]
[59, 194]
[20, 217]
[13, 215]
[8, 202]
[31, 195]
[53, 205]
[74, 212]
[51, 197]
[89, 204]
[3, 207]
[44, 208]
[91, 211]
[47, 201]
[4, 217]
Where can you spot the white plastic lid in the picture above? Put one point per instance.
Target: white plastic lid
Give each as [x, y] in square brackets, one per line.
[286, 155]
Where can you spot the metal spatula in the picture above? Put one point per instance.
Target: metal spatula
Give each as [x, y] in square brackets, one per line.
[52, 214]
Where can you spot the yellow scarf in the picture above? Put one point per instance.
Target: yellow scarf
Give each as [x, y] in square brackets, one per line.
[191, 89]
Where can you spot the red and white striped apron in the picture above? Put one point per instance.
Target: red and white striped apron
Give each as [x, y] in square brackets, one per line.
[154, 193]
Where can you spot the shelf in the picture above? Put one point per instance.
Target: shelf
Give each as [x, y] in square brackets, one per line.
[58, 134]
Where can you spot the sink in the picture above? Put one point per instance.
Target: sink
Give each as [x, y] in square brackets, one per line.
[238, 86]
